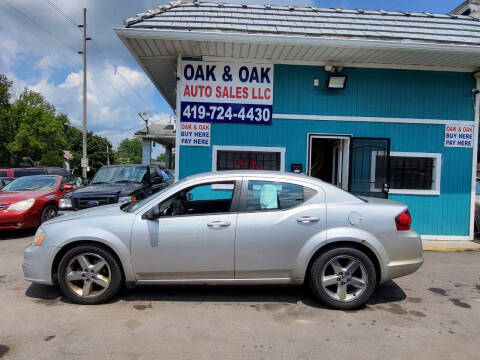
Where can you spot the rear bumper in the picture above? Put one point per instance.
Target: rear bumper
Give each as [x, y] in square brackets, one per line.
[405, 254]
[37, 264]
[14, 220]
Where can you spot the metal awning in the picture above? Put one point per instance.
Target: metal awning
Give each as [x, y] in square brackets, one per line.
[296, 35]
[162, 134]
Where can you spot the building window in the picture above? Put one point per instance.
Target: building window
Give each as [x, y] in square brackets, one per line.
[248, 158]
[409, 173]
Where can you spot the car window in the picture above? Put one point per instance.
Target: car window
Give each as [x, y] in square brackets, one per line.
[46, 182]
[165, 175]
[3, 174]
[28, 172]
[211, 198]
[73, 180]
[119, 174]
[271, 195]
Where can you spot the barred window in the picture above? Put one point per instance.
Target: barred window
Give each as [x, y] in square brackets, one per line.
[251, 160]
[409, 172]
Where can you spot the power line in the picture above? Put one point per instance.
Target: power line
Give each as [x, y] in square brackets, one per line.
[40, 26]
[61, 12]
[152, 108]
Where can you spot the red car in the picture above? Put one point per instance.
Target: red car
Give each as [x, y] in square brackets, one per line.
[28, 201]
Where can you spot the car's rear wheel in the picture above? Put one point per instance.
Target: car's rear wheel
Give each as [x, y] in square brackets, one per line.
[48, 212]
[343, 278]
[89, 274]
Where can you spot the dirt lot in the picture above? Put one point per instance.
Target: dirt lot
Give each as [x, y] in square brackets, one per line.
[433, 314]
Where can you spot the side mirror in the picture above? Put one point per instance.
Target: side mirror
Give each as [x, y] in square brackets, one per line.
[86, 182]
[66, 187]
[152, 214]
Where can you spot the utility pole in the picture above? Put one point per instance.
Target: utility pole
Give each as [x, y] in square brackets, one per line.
[84, 129]
[108, 157]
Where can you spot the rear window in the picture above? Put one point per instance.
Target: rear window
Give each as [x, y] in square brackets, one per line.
[28, 172]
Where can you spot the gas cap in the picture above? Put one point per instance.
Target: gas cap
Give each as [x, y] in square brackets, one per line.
[354, 218]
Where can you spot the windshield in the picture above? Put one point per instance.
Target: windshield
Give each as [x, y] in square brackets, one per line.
[32, 183]
[119, 174]
[131, 207]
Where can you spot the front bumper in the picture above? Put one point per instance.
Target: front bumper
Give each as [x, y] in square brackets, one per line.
[14, 220]
[37, 264]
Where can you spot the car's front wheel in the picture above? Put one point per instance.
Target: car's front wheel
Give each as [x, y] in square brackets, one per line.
[48, 212]
[343, 278]
[89, 274]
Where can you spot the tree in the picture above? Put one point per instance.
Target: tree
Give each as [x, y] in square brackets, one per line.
[30, 127]
[96, 150]
[6, 125]
[130, 151]
[38, 130]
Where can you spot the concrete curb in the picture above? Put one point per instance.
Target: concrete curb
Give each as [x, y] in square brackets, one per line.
[451, 249]
[441, 245]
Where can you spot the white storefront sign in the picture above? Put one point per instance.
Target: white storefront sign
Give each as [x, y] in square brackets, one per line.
[459, 136]
[195, 134]
[218, 92]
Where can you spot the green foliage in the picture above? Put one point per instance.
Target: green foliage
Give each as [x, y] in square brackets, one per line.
[30, 127]
[130, 151]
[51, 158]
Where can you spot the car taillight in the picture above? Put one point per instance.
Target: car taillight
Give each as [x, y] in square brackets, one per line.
[403, 220]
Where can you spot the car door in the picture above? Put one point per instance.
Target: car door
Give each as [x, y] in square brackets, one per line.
[276, 218]
[192, 238]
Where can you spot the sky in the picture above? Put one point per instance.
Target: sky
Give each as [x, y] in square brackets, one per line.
[39, 41]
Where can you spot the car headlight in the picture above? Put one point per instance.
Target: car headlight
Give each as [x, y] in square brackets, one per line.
[21, 205]
[39, 237]
[124, 199]
[65, 203]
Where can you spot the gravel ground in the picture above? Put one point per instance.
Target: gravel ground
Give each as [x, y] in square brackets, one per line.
[433, 314]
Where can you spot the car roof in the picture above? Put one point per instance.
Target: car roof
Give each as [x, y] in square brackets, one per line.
[255, 173]
[124, 165]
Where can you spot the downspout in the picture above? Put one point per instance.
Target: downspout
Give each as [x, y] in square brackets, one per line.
[474, 152]
[177, 120]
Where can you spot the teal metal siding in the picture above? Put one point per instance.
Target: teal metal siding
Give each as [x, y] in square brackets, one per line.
[376, 93]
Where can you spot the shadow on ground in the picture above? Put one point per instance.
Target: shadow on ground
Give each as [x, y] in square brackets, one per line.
[388, 292]
[16, 234]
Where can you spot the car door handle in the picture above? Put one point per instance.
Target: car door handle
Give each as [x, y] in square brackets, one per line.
[308, 219]
[218, 224]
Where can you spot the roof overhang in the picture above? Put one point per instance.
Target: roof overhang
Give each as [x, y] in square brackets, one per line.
[157, 51]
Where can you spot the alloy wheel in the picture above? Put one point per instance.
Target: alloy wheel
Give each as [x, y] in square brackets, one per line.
[344, 278]
[88, 275]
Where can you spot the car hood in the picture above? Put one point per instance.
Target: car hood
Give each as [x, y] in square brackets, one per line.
[8, 197]
[107, 189]
[87, 213]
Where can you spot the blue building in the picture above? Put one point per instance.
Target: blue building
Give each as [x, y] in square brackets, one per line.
[379, 103]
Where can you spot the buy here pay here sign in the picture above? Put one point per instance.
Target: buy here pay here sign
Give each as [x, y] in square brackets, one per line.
[217, 92]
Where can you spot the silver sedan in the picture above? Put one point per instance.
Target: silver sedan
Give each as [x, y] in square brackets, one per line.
[237, 227]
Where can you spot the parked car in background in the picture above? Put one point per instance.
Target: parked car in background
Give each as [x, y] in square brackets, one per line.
[30, 200]
[4, 181]
[167, 175]
[19, 172]
[113, 184]
[235, 227]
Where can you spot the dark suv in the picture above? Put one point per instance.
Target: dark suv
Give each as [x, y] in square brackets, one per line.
[115, 184]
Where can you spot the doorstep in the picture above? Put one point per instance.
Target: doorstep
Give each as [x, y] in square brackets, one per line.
[451, 245]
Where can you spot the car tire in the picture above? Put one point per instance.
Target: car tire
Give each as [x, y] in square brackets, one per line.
[48, 212]
[343, 278]
[89, 274]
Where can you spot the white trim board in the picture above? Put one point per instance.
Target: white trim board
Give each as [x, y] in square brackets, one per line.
[371, 119]
[281, 150]
[341, 63]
